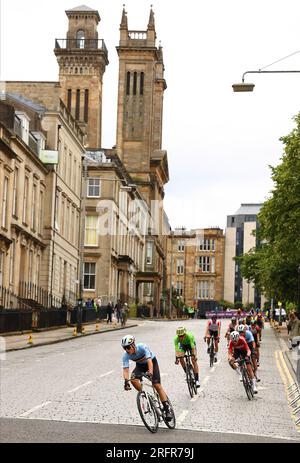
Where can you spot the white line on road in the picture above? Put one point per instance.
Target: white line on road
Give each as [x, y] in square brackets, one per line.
[106, 374]
[182, 417]
[34, 409]
[79, 387]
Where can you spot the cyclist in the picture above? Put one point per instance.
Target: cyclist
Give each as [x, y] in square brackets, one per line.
[260, 324]
[213, 328]
[238, 347]
[185, 342]
[146, 362]
[248, 320]
[231, 327]
[247, 333]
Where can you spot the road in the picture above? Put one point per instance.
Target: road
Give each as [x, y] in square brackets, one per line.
[73, 392]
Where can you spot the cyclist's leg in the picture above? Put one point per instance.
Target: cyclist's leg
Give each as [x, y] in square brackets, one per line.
[208, 341]
[136, 377]
[180, 354]
[194, 361]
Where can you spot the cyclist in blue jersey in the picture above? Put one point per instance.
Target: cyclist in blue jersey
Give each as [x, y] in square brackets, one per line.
[146, 362]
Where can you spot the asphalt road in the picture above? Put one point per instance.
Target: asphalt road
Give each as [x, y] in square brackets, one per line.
[73, 392]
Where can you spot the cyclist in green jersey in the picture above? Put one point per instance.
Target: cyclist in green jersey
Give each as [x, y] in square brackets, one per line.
[184, 341]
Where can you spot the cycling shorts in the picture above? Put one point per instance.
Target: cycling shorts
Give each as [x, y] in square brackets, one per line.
[241, 353]
[143, 367]
[215, 334]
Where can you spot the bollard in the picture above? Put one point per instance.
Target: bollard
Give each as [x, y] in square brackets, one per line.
[75, 332]
[30, 341]
[97, 327]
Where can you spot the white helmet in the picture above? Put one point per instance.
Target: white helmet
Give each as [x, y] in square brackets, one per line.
[127, 340]
[234, 336]
[241, 328]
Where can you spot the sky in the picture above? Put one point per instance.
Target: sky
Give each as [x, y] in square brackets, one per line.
[220, 144]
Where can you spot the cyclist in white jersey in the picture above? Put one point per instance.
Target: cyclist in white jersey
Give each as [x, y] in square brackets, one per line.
[213, 328]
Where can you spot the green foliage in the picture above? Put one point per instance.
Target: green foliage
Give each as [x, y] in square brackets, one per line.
[223, 303]
[273, 267]
[132, 310]
[238, 305]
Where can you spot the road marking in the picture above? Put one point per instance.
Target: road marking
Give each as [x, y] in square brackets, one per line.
[283, 362]
[79, 387]
[106, 374]
[34, 409]
[182, 417]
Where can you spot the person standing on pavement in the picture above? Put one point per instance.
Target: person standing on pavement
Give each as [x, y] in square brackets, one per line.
[124, 313]
[109, 311]
[293, 326]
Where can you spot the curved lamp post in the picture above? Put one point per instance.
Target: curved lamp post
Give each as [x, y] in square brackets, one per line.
[245, 87]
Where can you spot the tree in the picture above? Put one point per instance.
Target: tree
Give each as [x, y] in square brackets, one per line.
[273, 265]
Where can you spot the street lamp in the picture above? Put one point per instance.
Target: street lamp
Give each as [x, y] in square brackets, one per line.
[245, 87]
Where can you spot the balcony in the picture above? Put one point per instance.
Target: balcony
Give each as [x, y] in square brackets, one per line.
[80, 44]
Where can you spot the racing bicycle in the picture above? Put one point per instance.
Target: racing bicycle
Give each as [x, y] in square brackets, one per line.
[246, 378]
[151, 409]
[190, 374]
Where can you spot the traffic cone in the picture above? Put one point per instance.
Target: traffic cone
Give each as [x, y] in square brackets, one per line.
[97, 327]
[30, 341]
[75, 332]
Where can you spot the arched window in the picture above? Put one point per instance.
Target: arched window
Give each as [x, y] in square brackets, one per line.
[80, 37]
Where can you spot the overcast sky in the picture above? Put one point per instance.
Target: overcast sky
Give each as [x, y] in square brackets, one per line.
[219, 143]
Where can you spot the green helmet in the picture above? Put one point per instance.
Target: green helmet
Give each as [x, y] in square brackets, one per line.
[181, 331]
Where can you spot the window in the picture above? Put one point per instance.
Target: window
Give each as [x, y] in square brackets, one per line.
[179, 266]
[69, 99]
[30, 266]
[180, 246]
[80, 39]
[77, 110]
[86, 106]
[90, 236]
[142, 84]
[41, 221]
[179, 288]
[205, 289]
[128, 84]
[134, 82]
[93, 188]
[26, 186]
[89, 275]
[149, 253]
[62, 219]
[33, 208]
[11, 263]
[4, 203]
[206, 264]
[15, 193]
[206, 244]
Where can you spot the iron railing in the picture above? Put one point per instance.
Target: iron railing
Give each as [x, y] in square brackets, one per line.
[92, 44]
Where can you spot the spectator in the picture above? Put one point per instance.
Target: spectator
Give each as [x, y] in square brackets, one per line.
[124, 313]
[109, 311]
[89, 304]
[118, 308]
[293, 326]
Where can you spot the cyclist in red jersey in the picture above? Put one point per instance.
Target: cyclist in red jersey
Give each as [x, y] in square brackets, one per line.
[238, 347]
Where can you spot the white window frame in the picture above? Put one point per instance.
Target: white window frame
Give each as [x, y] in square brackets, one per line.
[15, 192]
[180, 246]
[89, 274]
[149, 252]
[4, 202]
[92, 186]
[179, 288]
[180, 266]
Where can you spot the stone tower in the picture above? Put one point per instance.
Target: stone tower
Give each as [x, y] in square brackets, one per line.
[82, 59]
[140, 102]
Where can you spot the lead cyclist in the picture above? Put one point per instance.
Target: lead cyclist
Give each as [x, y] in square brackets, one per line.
[184, 341]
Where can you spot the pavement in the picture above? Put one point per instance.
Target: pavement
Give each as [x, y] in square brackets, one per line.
[291, 355]
[52, 336]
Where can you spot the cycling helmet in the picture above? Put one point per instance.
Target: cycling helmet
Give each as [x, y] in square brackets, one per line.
[181, 331]
[233, 319]
[253, 322]
[127, 340]
[234, 336]
[241, 328]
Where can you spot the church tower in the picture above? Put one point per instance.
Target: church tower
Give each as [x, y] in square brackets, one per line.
[140, 103]
[82, 59]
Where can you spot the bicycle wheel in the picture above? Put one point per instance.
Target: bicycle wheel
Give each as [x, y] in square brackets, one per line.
[147, 411]
[189, 379]
[171, 424]
[246, 383]
[194, 380]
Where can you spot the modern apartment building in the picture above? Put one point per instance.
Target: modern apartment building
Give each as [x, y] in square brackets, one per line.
[239, 239]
